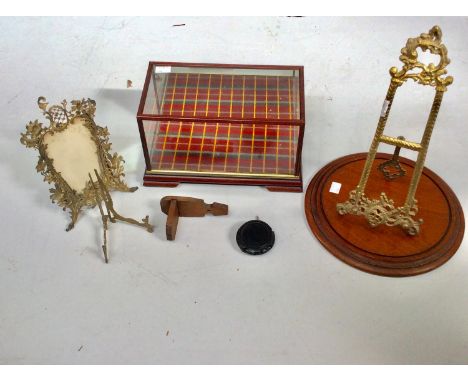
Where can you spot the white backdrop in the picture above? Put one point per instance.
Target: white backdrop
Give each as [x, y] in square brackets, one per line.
[199, 299]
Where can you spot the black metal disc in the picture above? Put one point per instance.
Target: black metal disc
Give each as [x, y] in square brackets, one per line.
[255, 237]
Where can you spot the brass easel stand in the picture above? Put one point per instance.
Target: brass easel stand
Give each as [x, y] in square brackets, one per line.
[383, 211]
[102, 194]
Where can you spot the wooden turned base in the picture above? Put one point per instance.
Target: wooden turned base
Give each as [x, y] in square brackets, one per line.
[383, 250]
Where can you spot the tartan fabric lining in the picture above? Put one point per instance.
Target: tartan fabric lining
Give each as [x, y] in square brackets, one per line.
[225, 147]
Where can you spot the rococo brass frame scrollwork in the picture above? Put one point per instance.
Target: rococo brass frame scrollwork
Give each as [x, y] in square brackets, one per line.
[111, 165]
[383, 211]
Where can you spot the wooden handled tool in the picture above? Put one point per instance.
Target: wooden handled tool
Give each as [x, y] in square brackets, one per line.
[175, 206]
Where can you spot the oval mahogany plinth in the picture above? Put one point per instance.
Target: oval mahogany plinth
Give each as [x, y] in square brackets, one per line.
[383, 250]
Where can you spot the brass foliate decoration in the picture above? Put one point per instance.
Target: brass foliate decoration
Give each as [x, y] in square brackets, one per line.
[76, 120]
[424, 74]
[382, 210]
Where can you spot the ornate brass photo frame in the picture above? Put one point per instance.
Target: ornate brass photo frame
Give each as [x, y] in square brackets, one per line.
[67, 155]
[71, 148]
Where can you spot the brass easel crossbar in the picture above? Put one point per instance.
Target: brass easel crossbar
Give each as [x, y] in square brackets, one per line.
[400, 143]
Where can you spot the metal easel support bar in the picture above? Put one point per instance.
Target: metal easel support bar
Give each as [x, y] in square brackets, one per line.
[400, 143]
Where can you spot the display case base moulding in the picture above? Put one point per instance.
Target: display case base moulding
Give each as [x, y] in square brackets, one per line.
[280, 185]
[223, 124]
[383, 250]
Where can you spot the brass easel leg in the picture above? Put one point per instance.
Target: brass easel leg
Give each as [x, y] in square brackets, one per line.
[102, 194]
[418, 169]
[74, 217]
[378, 134]
[104, 246]
[113, 215]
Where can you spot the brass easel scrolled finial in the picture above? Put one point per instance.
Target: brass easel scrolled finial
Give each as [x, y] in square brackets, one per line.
[431, 74]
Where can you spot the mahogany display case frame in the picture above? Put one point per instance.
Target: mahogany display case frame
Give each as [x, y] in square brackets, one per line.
[272, 180]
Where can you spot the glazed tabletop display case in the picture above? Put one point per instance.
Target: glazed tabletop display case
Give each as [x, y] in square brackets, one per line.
[226, 124]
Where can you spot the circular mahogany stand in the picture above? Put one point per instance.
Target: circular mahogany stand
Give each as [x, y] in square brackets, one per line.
[383, 250]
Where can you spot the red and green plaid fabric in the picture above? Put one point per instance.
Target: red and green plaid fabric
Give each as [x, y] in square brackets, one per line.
[225, 147]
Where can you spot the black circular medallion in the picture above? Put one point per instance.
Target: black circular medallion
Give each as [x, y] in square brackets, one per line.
[255, 237]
